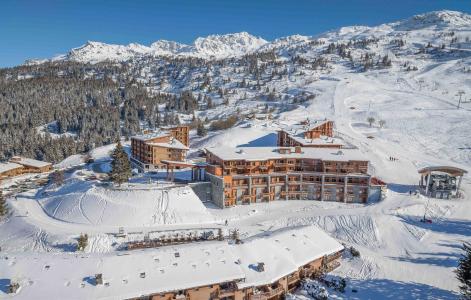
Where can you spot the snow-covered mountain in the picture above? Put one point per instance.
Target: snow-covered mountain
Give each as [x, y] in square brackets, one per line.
[213, 46]
[238, 44]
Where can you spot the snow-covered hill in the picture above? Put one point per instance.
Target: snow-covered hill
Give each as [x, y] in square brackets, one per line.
[426, 57]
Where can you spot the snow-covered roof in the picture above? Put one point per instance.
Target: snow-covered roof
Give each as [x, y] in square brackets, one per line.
[173, 143]
[323, 140]
[29, 162]
[446, 169]
[8, 166]
[283, 253]
[265, 153]
[169, 268]
[151, 135]
[309, 124]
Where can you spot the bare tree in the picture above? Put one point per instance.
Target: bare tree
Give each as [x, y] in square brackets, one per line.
[371, 120]
[381, 123]
[460, 94]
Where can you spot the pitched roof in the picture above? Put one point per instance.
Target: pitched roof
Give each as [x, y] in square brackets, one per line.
[282, 253]
[8, 166]
[198, 264]
[446, 169]
[29, 162]
[72, 277]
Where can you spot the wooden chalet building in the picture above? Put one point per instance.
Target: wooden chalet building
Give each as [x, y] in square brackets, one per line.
[262, 174]
[167, 144]
[310, 133]
[20, 165]
[194, 271]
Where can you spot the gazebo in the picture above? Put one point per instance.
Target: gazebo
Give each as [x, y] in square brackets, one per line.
[441, 182]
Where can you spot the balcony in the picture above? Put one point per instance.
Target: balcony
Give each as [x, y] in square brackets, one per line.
[268, 295]
[293, 278]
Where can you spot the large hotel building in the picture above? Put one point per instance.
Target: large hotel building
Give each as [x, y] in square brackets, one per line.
[263, 174]
[166, 144]
[309, 163]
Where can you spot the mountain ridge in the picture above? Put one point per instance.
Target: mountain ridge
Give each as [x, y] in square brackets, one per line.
[219, 46]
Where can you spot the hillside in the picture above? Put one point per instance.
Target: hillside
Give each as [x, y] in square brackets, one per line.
[221, 75]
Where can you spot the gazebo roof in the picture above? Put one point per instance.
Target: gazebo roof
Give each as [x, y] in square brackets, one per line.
[454, 171]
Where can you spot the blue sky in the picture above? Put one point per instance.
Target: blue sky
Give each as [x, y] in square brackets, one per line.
[41, 29]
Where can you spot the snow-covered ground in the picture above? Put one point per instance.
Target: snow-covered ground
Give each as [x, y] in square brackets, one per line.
[401, 257]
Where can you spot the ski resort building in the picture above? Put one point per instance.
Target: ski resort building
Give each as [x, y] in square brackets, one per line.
[262, 174]
[441, 181]
[167, 144]
[310, 133]
[21, 165]
[194, 271]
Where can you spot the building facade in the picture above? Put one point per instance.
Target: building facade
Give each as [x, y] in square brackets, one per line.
[309, 133]
[20, 165]
[263, 174]
[167, 144]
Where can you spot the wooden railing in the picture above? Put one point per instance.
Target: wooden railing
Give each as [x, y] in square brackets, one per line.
[268, 295]
[293, 278]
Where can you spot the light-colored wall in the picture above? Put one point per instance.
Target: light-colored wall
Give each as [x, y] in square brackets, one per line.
[217, 189]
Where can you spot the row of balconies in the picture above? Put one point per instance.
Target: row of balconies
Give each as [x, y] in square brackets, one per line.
[296, 181]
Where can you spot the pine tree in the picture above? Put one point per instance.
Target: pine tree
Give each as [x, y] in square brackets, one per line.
[58, 177]
[463, 272]
[120, 166]
[3, 205]
[220, 235]
[200, 129]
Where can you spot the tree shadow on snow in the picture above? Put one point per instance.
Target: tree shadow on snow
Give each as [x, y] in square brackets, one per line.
[90, 280]
[441, 259]
[401, 188]
[269, 140]
[66, 247]
[4, 284]
[447, 226]
[389, 289]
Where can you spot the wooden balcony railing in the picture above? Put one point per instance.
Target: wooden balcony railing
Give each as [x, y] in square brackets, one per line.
[293, 278]
[268, 295]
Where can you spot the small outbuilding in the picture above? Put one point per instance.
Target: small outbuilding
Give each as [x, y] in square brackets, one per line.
[441, 182]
